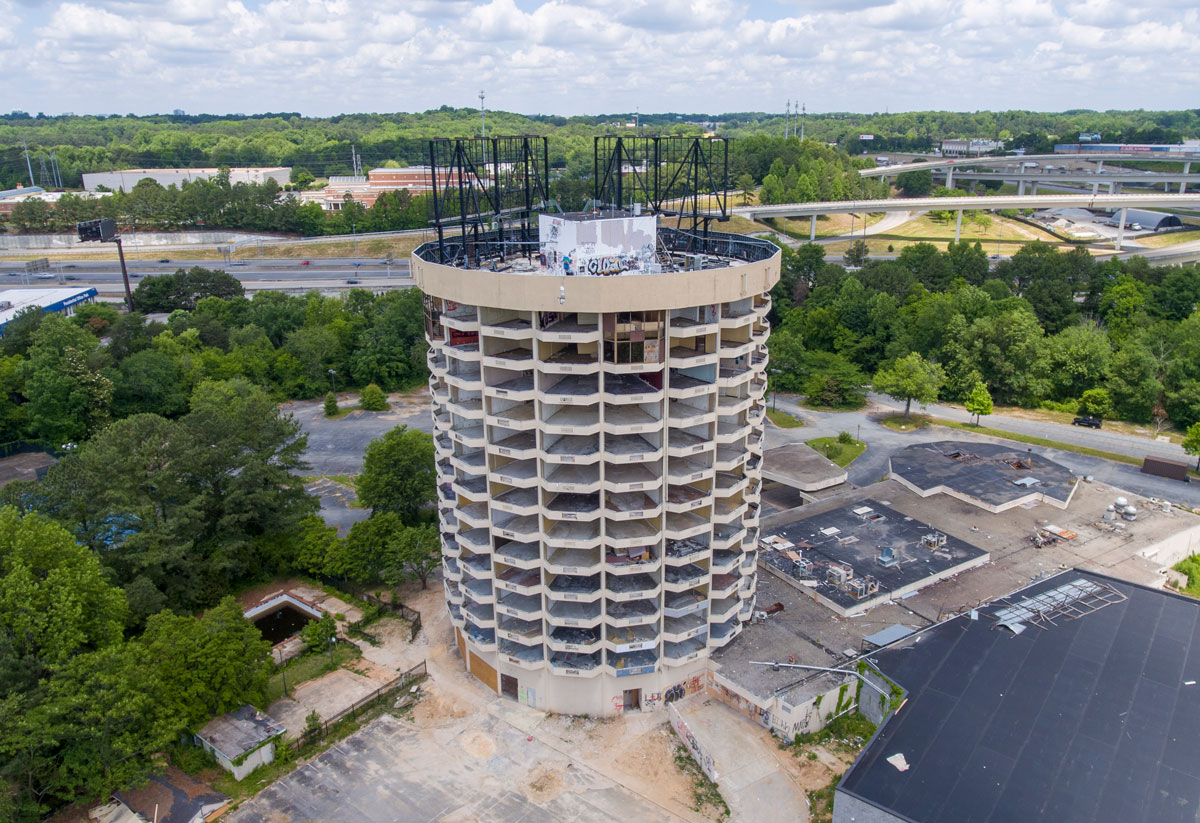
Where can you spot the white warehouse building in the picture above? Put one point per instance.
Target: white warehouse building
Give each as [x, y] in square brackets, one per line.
[598, 414]
[125, 179]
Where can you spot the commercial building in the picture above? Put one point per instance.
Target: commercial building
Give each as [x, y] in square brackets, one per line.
[962, 147]
[11, 197]
[60, 301]
[126, 179]
[598, 409]
[1148, 220]
[1073, 699]
[366, 189]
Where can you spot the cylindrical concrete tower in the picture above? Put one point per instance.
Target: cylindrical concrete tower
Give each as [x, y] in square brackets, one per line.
[598, 413]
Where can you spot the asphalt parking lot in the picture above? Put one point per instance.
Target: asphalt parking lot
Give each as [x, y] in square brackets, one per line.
[336, 446]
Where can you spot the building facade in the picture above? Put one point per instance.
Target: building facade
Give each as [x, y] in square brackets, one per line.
[126, 179]
[365, 189]
[598, 413]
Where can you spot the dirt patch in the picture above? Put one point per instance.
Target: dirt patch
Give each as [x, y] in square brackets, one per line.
[435, 709]
[478, 744]
[813, 773]
[544, 784]
[254, 596]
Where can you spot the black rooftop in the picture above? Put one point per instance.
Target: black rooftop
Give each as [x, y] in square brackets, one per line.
[984, 471]
[1095, 718]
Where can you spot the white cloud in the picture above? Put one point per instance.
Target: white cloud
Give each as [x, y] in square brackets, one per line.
[590, 56]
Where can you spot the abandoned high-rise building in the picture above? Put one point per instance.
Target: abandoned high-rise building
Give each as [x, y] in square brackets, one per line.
[598, 382]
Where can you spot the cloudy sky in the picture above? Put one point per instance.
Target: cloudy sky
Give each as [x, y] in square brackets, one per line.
[323, 57]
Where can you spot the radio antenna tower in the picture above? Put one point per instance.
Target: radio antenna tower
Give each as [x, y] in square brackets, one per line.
[803, 109]
[787, 118]
[482, 116]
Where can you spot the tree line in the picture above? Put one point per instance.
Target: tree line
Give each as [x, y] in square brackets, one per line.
[1047, 328]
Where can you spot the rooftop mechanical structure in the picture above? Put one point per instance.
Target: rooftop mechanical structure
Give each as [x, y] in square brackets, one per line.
[597, 382]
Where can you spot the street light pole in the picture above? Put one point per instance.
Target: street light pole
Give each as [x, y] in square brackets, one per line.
[332, 375]
[124, 274]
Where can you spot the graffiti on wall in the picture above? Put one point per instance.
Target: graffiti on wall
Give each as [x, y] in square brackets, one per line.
[692, 685]
[702, 758]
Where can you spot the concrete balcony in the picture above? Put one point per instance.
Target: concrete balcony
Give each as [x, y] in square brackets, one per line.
[483, 616]
[620, 588]
[478, 565]
[749, 564]
[683, 357]
[469, 436]
[682, 578]
[573, 506]
[681, 470]
[571, 419]
[470, 408]
[685, 525]
[679, 654]
[755, 415]
[519, 605]
[631, 419]
[567, 535]
[729, 483]
[467, 321]
[441, 423]
[641, 367]
[626, 639]
[520, 581]
[474, 515]
[450, 547]
[729, 510]
[758, 388]
[729, 405]
[519, 555]
[753, 492]
[724, 609]
[570, 332]
[682, 443]
[523, 473]
[575, 664]
[627, 664]
[724, 586]
[572, 613]
[479, 637]
[436, 362]
[678, 629]
[516, 359]
[447, 521]
[462, 352]
[747, 588]
[470, 463]
[479, 591]
[516, 329]
[632, 477]
[683, 552]
[631, 612]
[684, 498]
[572, 448]
[522, 528]
[728, 537]
[519, 445]
[518, 416]
[568, 477]
[453, 593]
[629, 388]
[571, 390]
[573, 561]
[566, 361]
[760, 335]
[628, 534]
[522, 631]
[683, 387]
[682, 604]
[465, 380]
[719, 634]
[630, 506]
[725, 561]
[451, 570]
[681, 413]
[521, 655]
[570, 639]
[573, 587]
[736, 318]
[747, 611]
[519, 388]
[625, 561]
[443, 446]
[682, 328]
[733, 347]
[479, 540]
[729, 458]
[630, 448]
[473, 487]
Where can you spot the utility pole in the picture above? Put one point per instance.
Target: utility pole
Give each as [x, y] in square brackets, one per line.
[28, 165]
[802, 111]
[787, 118]
[482, 116]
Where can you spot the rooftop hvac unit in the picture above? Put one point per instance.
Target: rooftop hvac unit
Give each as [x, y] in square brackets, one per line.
[861, 587]
[887, 557]
[934, 541]
[1129, 513]
[839, 574]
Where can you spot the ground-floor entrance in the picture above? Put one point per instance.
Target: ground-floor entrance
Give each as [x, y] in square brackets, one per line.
[508, 686]
[632, 700]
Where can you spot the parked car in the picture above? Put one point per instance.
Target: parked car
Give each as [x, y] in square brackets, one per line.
[1089, 420]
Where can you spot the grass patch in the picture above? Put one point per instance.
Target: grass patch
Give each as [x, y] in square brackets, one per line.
[828, 225]
[841, 453]
[310, 666]
[784, 420]
[344, 479]
[897, 422]
[820, 802]
[1191, 567]
[1011, 234]
[705, 793]
[1041, 441]
[1158, 241]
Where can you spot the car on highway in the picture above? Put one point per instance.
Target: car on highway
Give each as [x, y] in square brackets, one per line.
[71, 277]
[351, 280]
[1089, 420]
[164, 260]
[237, 263]
[305, 262]
[45, 276]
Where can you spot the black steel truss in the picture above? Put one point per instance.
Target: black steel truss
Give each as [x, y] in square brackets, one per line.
[485, 184]
[687, 177]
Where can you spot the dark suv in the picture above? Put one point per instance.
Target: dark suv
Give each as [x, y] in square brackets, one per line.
[1091, 421]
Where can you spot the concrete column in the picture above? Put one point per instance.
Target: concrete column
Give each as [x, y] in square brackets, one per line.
[1020, 187]
[1034, 192]
[950, 177]
[958, 226]
[973, 182]
[1110, 188]
[1187, 169]
[812, 229]
[1095, 189]
[1121, 229]
[1099, 166]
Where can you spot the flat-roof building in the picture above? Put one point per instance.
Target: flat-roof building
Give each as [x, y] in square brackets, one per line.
[126, 179]
[365, 189]
[598, 425]
[61, 301]
[1073, 699]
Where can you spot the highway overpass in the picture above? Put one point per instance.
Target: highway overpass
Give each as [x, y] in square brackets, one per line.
[1096, 202]
[1013, 159]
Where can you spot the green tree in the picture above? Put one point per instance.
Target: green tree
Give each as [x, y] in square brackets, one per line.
[316, 544]
[367, 549]
[183, 289]
[210, 665]
[1191, 442]
[398, 473]
[1075, 360]
[857, 254]
[318, 635]
[1096, 402]
[1133, 384]
[1007, 349]
[915, 183]
[910, 378]
[979, 402]
[149, 381]
[331, 404]
[373, 398]
[413, 554]
[832, 381]
[745, 185]
[68, 397]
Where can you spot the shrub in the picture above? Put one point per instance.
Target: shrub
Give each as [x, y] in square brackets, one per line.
[373, 398]
[845, 438]
[331, 406]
